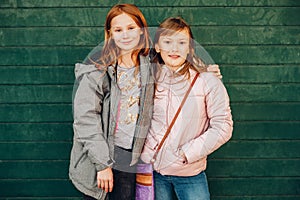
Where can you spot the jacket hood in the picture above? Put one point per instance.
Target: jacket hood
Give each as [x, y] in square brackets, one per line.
[81, 69]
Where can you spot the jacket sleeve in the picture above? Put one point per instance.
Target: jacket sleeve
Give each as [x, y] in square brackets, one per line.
[220, 122]
[87, 119]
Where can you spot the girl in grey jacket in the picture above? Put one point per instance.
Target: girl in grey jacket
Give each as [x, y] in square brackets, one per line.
[112, 108]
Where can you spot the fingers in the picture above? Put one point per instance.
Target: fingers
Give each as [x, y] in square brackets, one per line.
[103, 185]
[215, 69]
[98, 183]
[110, 185]
[106, 189]
[106, 185]
[105, 180]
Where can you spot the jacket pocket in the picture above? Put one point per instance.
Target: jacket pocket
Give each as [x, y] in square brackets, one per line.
[80, 158]
[85, 171]
[170, 159]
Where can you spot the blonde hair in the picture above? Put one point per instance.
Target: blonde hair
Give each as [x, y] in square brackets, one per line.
[168, 27]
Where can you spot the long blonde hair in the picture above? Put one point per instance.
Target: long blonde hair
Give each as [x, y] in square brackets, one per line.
[168, 27]
[110, 52]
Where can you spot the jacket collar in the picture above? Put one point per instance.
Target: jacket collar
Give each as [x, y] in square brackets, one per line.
[144, 69]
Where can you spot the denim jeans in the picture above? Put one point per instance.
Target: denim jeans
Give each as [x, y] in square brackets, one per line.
[180, 187]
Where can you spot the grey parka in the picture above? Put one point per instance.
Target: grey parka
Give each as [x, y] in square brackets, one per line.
[95, 109]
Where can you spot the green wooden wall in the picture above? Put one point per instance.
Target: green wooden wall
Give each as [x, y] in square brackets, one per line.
[256, 44]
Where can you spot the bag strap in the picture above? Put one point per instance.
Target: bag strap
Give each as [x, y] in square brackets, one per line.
[174, 118]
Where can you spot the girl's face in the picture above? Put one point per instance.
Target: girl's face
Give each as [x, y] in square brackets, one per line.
[125, 32]
[173, 48]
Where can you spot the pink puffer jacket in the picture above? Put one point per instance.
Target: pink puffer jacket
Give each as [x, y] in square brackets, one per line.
[204, 124]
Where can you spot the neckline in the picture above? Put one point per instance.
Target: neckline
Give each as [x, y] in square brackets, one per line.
[122, 67]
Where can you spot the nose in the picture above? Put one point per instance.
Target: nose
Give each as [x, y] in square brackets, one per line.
[125, 34]
[174, 47]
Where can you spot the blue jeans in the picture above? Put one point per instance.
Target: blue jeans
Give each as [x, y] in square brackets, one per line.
[180, 187]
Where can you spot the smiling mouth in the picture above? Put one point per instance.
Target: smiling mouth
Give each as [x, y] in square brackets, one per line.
[126, 42]
[174, 56]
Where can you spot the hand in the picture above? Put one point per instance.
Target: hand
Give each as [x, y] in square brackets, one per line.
[105, 179]
[215, 69]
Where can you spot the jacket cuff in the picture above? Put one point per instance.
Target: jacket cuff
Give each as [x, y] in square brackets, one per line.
[100, 167]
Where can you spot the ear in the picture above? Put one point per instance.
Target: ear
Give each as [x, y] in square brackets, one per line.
[157, 49]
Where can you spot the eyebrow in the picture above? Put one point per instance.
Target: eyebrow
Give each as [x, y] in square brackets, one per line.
[169, 38]
[132, 24]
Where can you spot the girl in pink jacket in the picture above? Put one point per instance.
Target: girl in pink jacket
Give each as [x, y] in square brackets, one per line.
[203, 125]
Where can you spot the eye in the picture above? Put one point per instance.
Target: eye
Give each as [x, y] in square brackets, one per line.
[167, 41]
[117, 30]
[182, 42]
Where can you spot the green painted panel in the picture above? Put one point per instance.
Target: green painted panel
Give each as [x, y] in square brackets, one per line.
[45, 198]
[263, 93]
[12, 132]
[37, 188]
[35, 151]
[36, 113]
[37, 75]
[154, 15]
[257, 197]
[53, 17]
[149, 3]
[262, 149]
[259, 149]
[54, 36]
[231, 74]
[63, 93]
[226, 15]
[63, 112]
[261, 74]
[52, 3]
[221, 54]
[242, 186]
[253, 168]
[257, 130]
[43, 55]
[36, 94]
[52, 169]
[266, 111]
[217, 168]
[232, 35]
[260, 55]
[75, 36]
[255, 186]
